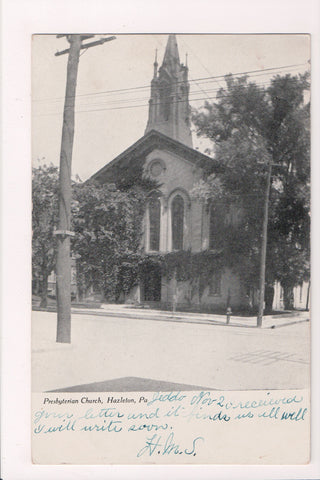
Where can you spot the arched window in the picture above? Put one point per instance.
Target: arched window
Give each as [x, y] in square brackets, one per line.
[177, 217]
[154, 224]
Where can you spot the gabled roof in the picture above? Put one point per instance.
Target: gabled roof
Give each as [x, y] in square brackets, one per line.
[146, 144]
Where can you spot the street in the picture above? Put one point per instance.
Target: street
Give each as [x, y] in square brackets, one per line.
[136, 354]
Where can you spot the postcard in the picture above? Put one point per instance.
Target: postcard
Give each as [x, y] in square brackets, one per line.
[171, 249]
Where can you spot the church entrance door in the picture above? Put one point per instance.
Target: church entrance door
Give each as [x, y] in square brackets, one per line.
[152, 285]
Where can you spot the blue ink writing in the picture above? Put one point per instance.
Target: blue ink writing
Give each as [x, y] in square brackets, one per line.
[294, 415]
[168, 397]
[167, 446]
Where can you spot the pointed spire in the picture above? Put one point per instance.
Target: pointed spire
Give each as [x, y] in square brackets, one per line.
[155, 65]
[187, 60]
[171, 57]
[169, 108]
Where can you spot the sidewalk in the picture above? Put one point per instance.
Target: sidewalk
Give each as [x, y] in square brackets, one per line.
[119, 352]
[130, 311]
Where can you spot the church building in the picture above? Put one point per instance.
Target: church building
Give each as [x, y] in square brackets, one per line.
[175, 221]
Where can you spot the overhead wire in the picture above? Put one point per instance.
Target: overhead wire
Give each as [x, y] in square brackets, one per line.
[201, 79]
[135, 99]
[145, 105]
[199, 60]
[138, 99]
[190, 78]
[131, 100]
[121, 103]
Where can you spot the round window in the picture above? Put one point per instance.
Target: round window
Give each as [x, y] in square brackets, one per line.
[156, 168]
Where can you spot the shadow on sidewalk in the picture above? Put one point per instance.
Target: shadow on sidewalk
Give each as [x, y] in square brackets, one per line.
[131, 384]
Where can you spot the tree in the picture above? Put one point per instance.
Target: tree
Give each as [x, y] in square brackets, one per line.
[45, 181]
[108, 227]
[107, 221]
[289, 243]
[250, 126]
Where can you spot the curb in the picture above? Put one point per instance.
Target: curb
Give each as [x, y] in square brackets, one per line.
[175, 318]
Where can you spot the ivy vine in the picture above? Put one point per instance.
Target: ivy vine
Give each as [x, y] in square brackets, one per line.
[181, 265]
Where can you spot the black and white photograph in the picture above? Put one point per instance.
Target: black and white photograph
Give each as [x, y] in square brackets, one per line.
[171, 233]
[169, 185]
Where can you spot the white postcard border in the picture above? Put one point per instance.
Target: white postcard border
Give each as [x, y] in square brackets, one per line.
[20, 19]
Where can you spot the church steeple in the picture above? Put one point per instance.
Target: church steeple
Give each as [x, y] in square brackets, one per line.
[155, 65]
[169, 109]
[171, 60]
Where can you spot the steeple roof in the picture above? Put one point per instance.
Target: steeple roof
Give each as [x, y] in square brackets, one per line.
[169, 109]
[171, 58]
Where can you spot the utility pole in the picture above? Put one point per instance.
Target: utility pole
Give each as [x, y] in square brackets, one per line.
[264, 247]
[63, 266]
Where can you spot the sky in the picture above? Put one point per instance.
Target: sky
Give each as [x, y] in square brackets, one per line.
[107, 120]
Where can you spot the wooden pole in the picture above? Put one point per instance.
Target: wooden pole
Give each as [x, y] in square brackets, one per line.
[264, 248]
[63, 255]
[63, 266]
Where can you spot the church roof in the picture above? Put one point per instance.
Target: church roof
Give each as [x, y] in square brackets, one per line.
[146, 144]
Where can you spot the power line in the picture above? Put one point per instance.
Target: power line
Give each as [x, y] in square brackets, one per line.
[191, 79]
[199, 60]
[137, 106]
[118, 101]
[138, 99]
[212, 78]
[134, 88]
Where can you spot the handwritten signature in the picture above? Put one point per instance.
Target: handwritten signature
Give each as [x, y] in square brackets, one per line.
[160, 445]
